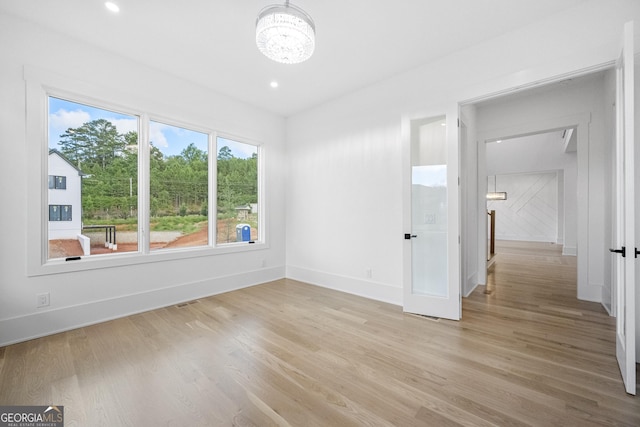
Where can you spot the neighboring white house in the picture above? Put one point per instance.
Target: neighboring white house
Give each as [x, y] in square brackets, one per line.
[65, 197]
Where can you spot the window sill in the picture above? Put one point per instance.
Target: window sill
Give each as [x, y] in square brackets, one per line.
[95, 262]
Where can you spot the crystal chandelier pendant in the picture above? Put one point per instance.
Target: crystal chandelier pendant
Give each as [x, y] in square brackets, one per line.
[285, 33]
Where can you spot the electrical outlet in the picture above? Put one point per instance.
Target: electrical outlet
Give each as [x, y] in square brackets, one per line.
[42, 300]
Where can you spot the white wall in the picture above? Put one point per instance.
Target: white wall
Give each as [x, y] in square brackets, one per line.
[90, 296]
[344, 206]
[345, 157]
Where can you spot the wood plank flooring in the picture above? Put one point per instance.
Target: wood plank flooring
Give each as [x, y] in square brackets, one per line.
[290, 354]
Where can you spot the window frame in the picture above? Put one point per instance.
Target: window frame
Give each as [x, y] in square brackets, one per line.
[211, 170]
[55, 182]
[261, 180]
[40, 85]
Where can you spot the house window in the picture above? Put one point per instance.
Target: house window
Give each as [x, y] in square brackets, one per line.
[57, 182]
[238, 214]
[60, 213]
[179, 187]
[65, 213]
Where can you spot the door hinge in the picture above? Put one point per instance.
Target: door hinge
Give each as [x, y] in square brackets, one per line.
[458, 122]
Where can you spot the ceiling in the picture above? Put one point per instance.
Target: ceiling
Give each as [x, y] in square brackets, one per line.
[212, 42]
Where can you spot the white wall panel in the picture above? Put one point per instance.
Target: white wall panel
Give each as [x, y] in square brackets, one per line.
[530, 212]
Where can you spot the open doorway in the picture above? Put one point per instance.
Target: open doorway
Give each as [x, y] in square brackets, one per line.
[575, 113]
[531, 201]
[536, 176]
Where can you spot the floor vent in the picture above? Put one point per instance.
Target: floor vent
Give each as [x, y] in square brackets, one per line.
[184, 304]
[424, 316]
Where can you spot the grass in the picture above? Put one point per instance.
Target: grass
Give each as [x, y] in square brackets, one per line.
[186, 224]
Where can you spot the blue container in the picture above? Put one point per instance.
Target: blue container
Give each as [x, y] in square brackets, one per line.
[243, 233]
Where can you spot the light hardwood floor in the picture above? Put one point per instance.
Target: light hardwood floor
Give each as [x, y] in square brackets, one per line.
[291, 354]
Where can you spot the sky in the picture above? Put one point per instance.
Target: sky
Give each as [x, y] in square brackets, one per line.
[171, 140]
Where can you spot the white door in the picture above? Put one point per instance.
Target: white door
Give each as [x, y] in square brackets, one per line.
[625, 251]
[432, 256]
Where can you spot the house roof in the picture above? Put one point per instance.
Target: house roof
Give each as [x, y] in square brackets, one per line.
[66, 159]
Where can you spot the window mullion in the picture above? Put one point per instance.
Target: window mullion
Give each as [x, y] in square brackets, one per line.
[144, 206]
[213, 189]
[261, 195]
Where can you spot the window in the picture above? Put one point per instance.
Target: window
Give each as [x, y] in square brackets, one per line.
[237, 191]
[60, 213]
[158, 185]
[65, 213]
[57, 182]
[179, 187]
[93, 155]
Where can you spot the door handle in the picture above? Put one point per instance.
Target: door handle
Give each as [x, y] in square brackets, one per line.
[637, 252]
[622, 251]
[408, 236]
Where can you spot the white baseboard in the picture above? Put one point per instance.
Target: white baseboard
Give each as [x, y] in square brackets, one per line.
[512, 237]
[606, 299]
[473, 288]
[591, 293]
[49, 322]
[569, 251]
[470, 285]
[364, 288]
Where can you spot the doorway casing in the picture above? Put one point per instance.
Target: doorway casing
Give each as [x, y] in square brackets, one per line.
[472, 149]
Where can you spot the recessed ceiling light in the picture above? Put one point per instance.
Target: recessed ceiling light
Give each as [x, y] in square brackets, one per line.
[273, 84]
[112, 7]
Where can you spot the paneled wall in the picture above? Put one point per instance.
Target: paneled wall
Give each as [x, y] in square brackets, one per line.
[530, 212]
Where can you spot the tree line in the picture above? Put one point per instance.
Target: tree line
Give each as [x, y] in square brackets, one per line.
[178, 183]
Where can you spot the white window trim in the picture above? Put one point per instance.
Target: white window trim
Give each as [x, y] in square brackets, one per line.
[40, 84]
[261, 183]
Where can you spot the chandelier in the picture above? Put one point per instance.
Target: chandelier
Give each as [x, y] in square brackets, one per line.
[285, 33]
